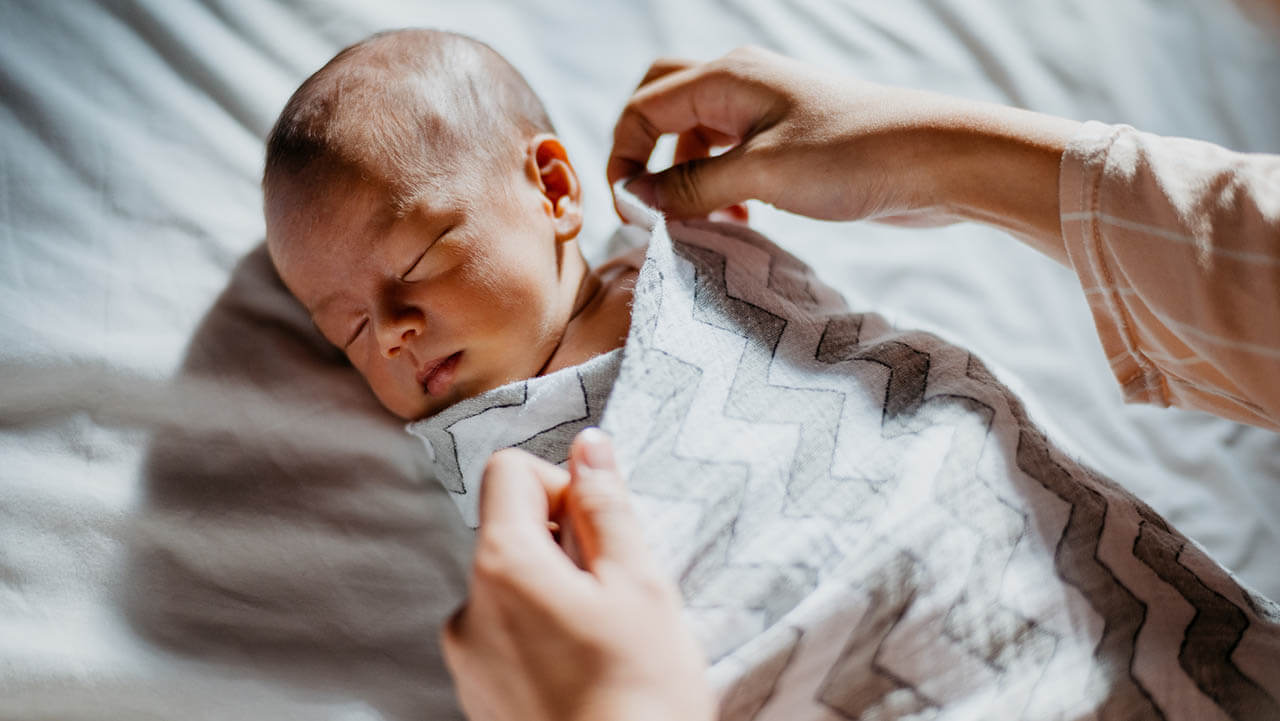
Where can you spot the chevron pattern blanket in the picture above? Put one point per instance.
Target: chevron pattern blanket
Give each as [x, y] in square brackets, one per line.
[864, 522]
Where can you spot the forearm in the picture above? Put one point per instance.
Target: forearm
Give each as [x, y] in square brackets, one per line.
[998, 165]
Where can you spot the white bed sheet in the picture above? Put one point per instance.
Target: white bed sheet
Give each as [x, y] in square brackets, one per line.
[204, 515]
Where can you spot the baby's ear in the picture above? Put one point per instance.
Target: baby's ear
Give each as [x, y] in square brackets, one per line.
[558, 182]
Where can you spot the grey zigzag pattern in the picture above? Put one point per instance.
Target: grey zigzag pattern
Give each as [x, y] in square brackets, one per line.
[1076, 558]
[547, 441]
[553, 443]
[753, 397]
[448, 472]
[837, 403]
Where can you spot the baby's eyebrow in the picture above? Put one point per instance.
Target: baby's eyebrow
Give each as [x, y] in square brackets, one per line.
[319, 308]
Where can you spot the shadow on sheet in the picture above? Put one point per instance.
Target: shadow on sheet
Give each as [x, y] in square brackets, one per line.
[289, 528]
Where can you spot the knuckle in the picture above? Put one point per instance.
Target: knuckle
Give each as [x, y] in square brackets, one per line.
[724, 71]
[502, 461]
[666, 62]
[633, 118]
[749, 51]
[632, 109]
[494, 560]
[656, 588]
[642, 121]
[595, 501]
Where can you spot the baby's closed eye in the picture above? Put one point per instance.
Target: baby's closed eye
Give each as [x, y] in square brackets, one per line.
[418, 260]
[364, 322]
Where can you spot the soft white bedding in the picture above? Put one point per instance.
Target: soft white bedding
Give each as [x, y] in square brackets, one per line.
[203, 514]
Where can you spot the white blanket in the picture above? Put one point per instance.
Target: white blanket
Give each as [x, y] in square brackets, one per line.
[203, 513]
[864, 521]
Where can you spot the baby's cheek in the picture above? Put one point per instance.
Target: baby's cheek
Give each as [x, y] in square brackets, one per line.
[391, 390]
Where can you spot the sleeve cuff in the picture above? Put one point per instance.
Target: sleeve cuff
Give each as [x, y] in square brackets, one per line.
[1080, 188]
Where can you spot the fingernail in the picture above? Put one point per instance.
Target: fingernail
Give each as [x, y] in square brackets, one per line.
[645, 188]
[597, 451]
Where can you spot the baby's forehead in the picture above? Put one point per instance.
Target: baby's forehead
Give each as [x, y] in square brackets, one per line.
[449, 169]
[315, 217]
[346, 214]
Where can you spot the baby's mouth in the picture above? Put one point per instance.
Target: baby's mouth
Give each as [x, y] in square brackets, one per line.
[436, 376]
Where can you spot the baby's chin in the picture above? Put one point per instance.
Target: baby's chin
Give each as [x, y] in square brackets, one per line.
[420, 405]
[426, 405]
[417, 409]
[410, 406]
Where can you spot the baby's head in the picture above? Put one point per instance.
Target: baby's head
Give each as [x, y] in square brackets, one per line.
[421, 208]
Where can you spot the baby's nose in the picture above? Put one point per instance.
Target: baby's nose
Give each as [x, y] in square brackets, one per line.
[395, 333]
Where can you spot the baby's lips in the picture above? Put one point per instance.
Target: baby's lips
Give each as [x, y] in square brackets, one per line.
[428, 368]
[441, 377]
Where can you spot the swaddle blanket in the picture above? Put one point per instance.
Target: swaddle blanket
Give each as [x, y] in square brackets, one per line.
[863, 521]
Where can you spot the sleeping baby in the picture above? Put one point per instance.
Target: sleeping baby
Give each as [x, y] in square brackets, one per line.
[863, 521]
[422, 209]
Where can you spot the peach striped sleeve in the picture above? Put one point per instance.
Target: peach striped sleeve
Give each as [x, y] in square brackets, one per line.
[1177, 246]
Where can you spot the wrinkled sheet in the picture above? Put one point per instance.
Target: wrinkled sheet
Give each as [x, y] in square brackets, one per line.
[203, 514]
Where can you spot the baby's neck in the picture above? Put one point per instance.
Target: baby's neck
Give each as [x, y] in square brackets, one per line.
[602, 312]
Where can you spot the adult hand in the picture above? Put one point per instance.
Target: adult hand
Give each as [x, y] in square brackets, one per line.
[838, 148]
[542, 638]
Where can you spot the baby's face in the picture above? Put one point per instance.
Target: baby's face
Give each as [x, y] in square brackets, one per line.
[465, 293]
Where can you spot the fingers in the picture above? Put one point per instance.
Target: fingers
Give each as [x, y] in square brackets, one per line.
[690, 201]
[691, 144]
[698, 143]
[514, 548]
[637, 156]
[700, 96]
[731, 102]
[664, 66]
[697, 187]
[607, 529]
[519, 496]
[520, 490]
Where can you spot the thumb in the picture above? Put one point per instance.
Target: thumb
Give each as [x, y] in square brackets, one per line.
[604, 525]
[696, 187]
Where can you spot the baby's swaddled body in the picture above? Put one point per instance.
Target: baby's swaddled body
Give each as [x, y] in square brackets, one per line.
[863, 520]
